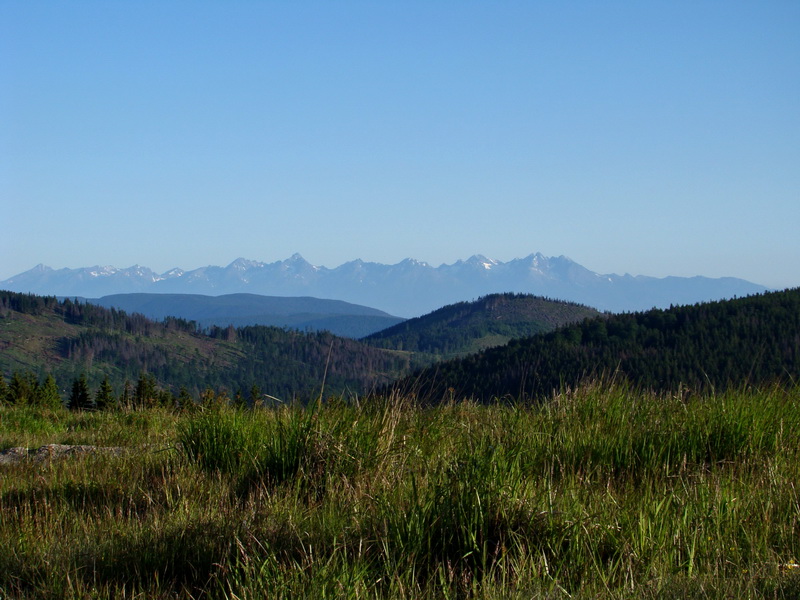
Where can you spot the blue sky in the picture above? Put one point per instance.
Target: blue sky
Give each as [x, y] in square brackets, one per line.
[658, 138]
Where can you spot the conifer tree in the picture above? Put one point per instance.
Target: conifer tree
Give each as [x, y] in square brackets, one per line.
[146, 393]
[80, 398]
[104, 398]
[185, 400]
[126, 398]
[3, 389]
[21, 388]
[47, 394]
[166, 399]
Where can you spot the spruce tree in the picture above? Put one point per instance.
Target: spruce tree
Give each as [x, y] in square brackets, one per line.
[80, 398]
[146, 392]
[21, 388]
[47, 394]
[126, 398]
[104, 398]
[166, 399]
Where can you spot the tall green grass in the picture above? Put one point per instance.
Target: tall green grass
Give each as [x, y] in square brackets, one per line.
[605, 492]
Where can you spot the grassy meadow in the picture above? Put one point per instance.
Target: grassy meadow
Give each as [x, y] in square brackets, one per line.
[605, 492]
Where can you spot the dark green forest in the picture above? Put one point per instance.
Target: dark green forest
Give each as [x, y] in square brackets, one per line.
[467, 327]
[88, 356]
[708, 346]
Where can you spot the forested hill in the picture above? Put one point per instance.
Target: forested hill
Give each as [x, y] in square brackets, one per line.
[749, 340]
[467, 327]
[42, 335]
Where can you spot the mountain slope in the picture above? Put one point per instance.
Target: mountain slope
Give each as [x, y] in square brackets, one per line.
[239, 310]
[407, 289]
[66, 338]
[468, 327]
[714, 345]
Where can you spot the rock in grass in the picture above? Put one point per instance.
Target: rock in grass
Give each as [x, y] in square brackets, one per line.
[16, 455]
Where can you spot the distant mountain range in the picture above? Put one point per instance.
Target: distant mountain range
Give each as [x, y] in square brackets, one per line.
[407, 289]
[239, 310]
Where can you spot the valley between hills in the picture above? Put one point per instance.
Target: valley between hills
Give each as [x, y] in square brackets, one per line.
[68, 338]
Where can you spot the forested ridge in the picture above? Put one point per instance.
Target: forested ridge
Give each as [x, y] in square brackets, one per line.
[705, 346]
[715, 345]
[41, 336]
[466, 327]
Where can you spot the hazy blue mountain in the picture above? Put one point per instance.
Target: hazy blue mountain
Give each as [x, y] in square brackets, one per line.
[239, 310]
[87, 281]
[409, 288]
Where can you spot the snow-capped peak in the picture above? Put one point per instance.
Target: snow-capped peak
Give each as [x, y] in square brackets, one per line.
[98, 271]
[413, 262]
[243, 264]
[176, 272]
[481, 261]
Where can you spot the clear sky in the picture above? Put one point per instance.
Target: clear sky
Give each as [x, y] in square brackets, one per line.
[657, 138]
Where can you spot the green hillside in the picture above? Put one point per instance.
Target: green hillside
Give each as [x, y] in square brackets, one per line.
[467, 327]
[709, 346]
[42, 336]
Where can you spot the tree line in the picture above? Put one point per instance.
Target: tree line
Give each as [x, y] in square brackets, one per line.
[26, 389]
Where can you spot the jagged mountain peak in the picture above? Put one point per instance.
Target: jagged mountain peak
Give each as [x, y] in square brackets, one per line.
[479, 260]
[412, 262]
[104, 271]
[536, 257]
[243, 264]
[297, 264]
[296, 258]
[110, 271]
